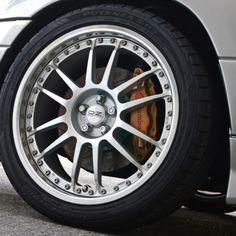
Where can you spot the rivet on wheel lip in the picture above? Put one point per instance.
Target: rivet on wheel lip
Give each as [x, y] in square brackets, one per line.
[29, 116]
[154, 63]
[56, 60]
[163, 141]
[91, 192]
[145, 54]
[149, 165]
[57, 181]
[100, 40]
[35, 90]
[31, 103]
[140, 175]
[135, 47]
[170, 113]
[40, 80]
[77, 46]
[169, 99]
[40, 162]
[31, 140]
[29, 128]
[161, 74]
[48, 69]
[166, 86]
[116, 188]
[48, 172]
[128, 182]
[35, 153]
[168, 127]
[67, 186]
[78, 190]
[158, 154]
[85, 188]
[89, 42]
[124, 43]
[103, 191]
[66, 52]
[113, 40]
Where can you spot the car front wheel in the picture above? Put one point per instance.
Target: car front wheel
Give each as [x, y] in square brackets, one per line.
[106, 116]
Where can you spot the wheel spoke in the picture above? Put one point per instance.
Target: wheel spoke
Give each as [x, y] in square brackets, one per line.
[76, 165]
[132, 82]
[97, 166]
[70, 83]
[124, 152]
[139, 134]
[49, 125]
[53, 96]
[111, 64]
[91, 66]
[142, 101]
[55, 145]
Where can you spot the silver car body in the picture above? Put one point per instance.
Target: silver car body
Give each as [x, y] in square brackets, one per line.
[217, 16]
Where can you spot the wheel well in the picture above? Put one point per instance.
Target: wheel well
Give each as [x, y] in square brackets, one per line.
[172, 11]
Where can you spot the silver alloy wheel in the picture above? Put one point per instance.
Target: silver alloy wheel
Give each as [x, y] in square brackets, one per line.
[93, 113]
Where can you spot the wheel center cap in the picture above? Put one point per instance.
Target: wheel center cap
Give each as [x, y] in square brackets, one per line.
[96, 115]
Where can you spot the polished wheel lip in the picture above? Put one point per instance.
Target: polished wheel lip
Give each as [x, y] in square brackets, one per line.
[152, 167]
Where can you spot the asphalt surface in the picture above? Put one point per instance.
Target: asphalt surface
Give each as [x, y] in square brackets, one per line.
[17, 218]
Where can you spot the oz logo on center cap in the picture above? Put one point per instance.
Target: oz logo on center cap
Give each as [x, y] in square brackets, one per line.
[96, 115]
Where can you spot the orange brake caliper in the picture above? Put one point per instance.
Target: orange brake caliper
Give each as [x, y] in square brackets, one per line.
[144, 118]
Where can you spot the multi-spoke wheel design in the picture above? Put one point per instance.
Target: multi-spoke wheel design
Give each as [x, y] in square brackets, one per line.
[93, 111]
[106, 118]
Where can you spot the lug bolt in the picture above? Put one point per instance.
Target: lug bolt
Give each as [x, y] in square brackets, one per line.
[104, 129]
[83, 109]
[85, 128]
[112, 111]
[100, 99]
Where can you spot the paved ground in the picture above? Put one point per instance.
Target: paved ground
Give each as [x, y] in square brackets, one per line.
[17, 218]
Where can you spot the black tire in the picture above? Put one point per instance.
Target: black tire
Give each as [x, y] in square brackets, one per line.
[186, 161]
[208, 203]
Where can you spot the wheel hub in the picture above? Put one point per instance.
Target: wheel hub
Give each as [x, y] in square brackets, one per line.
[96, 114]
